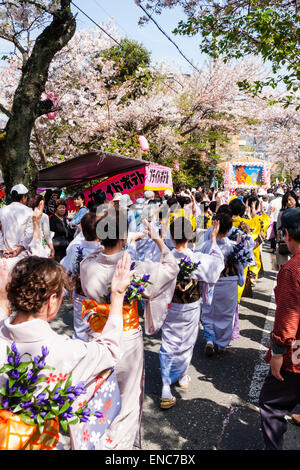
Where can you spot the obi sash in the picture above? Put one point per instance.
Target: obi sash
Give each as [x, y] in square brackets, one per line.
[187, 291]
[98, 315]
[17, 435]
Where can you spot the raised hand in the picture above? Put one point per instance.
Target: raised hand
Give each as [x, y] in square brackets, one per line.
[215, 230]
[150, 230]
[122, 275]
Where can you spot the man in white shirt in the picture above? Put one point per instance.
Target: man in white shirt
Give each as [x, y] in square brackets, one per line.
[275, 205]
[13, 218]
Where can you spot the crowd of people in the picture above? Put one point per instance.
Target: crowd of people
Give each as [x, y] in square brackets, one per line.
[177, 262]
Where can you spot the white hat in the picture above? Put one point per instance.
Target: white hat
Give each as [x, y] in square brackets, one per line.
[148, 194]
[139, 204]
[261, 192]
[20, 189]
[279, 191]
[193, 190]
[125, 200]
[117, 197]
[168, 192]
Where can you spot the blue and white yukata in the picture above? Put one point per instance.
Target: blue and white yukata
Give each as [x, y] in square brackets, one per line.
[219, 314]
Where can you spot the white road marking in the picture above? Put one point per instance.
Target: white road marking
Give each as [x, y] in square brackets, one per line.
[262, 367]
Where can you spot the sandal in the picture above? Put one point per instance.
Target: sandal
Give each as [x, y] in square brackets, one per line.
[186, 385]
[166, 403]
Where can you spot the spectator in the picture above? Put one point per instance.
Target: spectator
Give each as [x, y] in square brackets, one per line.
[275, 208]
[116, 200]
[60, 226]
[13, 218]
[148, 196]
[280, 391]
[283, 254]
[79, 202]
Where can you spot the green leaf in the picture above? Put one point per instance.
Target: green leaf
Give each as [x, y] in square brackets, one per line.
[55, 409]
[27, 419]
[65, 407]
[64, 425]
[17, 408]
[68, 381]
[41, 422]
[6, 368]
[50, 415]
[74, 421]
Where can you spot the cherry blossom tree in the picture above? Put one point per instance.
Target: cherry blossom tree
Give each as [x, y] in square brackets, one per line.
[54, 24]
[279, 133]
[182, 117]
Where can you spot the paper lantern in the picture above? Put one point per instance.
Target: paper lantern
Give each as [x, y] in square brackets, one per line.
[51, 96]
[143, 143]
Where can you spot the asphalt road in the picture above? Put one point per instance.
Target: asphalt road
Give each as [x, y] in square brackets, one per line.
[219, 410]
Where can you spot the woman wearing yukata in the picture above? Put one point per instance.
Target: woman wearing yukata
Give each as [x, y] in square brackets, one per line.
[35, 292]
[218, 316]
[181, 326]
[77, 252]
[259, 222]
[95, 273]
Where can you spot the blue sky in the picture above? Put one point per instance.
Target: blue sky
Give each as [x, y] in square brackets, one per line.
[126, 15]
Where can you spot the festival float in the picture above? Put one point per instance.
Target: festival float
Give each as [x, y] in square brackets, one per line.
[246, 173]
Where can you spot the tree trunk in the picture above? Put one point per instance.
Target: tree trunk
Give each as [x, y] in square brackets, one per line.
[15, 160]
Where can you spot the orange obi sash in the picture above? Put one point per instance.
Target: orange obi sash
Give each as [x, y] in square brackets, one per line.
[99, 314]
[17, 435]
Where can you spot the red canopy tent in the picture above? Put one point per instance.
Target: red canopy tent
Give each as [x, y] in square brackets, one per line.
[92, 165]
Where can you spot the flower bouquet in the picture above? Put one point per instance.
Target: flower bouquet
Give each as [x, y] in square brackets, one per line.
[187, 290]
[133, 292]
[186, 268]
[30, 413]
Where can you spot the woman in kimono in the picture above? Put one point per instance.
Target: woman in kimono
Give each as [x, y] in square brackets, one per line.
[35, 293]
[96, 272]
[181, 326]
[241, 220]
[218, 316]
[74, 256]
[259, 223]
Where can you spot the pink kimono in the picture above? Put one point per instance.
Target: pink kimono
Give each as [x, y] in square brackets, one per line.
[96, 273]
